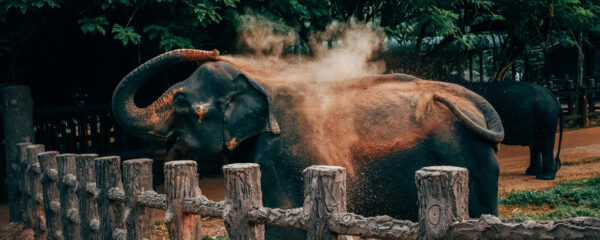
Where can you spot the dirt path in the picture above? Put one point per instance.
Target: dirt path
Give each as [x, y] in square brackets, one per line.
[580, 154]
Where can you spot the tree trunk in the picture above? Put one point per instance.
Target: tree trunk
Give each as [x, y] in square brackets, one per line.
[242, 182]
[17, 119]
[181, 181]
[68, 196]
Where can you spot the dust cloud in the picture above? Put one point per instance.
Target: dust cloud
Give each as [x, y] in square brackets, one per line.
[349, 114]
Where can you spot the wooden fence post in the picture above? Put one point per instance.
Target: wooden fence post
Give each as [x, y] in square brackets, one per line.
[242, 182]
[181, 181]
[87, 192]
[22, 182]
[17, 123]
[108, 178]
[325, 194]
[68, 196]
[137, 178]
[443, 197]
[35, 205]
[52, 206]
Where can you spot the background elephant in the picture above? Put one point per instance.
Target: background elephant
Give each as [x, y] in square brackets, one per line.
[530, 115]
[381, 128]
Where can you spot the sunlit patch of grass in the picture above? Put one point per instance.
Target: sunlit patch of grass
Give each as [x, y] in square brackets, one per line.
[565, 200]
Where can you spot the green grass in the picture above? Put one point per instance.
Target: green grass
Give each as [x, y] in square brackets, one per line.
[566, 200]
[222, 237]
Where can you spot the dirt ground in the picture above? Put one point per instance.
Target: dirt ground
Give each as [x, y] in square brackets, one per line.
[580, 154]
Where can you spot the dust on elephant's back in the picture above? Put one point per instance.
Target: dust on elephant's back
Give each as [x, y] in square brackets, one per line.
[362, 119]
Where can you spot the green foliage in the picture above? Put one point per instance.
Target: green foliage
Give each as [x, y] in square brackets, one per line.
[566, 199]
[126, 34]
[93, 25]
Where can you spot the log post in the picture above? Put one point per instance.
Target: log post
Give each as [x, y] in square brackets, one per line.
[23, 186]
[242, 182]
[108, 178]
[86, 193]
[35, 205]
[137, 178]
[181, 181]
[52, 206]
[324, 195]
[17, 120]
[69, 201]
[443, 197]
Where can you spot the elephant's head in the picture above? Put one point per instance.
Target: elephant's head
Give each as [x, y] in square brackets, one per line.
[216, 108]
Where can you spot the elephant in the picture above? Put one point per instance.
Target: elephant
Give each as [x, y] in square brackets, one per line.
[530, 115]
[380, 127]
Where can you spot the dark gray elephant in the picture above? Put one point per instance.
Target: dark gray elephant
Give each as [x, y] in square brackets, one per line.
[530, 115]
[381, 128]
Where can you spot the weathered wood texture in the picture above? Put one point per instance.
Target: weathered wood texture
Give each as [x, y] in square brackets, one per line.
[23, 186]
[384, 227]
[50, 182]
[88, 209]
[324, 195]
[181, 181]
[202, 206]
[289, 218]
[152, 199]
[17, 120]
[242, 181]
[69, 201]
[35, 205]
[137, 175]
[443, 199]
[491, 227]
[108, 178]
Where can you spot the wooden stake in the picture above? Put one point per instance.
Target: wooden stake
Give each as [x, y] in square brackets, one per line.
[181, 181]
[242, 181]
[137, 175]
[443, 195]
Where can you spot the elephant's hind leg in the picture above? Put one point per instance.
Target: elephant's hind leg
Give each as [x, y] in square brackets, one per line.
[535, 161]
[548, 163]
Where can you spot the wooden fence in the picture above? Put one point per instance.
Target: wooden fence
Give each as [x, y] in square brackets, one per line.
[567, 92]
[87, 129]
[84, 196]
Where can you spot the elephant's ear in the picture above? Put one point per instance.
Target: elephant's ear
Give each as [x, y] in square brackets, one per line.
[247, 113]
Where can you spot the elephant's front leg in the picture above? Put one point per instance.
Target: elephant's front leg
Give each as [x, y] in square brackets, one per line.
[535, 161]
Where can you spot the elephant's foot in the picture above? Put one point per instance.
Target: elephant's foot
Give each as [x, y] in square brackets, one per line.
[532, 171]
[546, 176]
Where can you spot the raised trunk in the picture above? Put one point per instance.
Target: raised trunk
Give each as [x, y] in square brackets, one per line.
[151, 120]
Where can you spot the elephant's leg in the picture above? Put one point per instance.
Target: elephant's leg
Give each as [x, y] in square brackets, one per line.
[548, 163]
[535, 161]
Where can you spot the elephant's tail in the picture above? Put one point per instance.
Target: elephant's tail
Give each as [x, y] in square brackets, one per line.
[493, 132]
[561, 117]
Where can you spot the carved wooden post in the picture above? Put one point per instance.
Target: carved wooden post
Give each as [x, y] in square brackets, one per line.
[35, 206]
[17, 119]
[86, 192]
[68, 196]
[181, 181]
[52, 206]
[242, 181]
[325, 194]
[108, 178]
[443, 197]
[23, 186]
[137, 178]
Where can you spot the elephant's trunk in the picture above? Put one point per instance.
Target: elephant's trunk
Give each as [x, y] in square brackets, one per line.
[151, 120]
